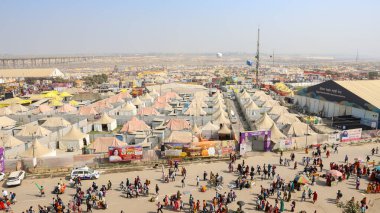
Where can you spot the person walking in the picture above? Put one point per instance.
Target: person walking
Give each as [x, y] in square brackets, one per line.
[157, 189]
[346, 159]
[303, 198]
[198, 181]
[315, 197]
[183, 182]
[159, 207]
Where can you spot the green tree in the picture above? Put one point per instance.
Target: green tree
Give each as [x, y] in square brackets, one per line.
[350, 207]
[373, 75]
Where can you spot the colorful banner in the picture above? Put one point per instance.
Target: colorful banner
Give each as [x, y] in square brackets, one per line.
[125, 153]
[2, 159]
[265, 134]
[201, 149]
[351, 135]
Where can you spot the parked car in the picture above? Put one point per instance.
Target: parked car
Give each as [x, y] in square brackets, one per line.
[15, 178]
[2, 175]
[233, 117]
[85, 173]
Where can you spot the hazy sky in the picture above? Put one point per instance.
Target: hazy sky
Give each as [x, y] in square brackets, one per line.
[324, 27]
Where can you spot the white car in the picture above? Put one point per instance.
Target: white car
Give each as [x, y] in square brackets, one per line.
[2, 176]
[85, 173]
[15, 178]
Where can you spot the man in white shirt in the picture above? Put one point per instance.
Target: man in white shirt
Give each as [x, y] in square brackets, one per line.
[5, 193]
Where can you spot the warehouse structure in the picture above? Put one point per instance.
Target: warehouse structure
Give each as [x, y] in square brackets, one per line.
[352, 100]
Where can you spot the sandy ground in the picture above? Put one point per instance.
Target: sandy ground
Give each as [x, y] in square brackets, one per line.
[27, 194]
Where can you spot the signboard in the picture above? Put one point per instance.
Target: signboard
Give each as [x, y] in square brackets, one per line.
[244, 138]
[124, 153]
[173, 152]
[351, 135]
[2, 159]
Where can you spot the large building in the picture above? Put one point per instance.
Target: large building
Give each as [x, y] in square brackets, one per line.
[360, 99]
[7, 75]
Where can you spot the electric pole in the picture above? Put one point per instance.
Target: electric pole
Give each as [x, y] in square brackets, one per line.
[258, 58]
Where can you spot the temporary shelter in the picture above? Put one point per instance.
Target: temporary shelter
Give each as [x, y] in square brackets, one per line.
[147, 98]
[33, 130]
[270, 103]
[162, 105]
[287, 118]
[74, 139]
[210, 131]
[196, 130]
[195, 111]
[278, 110]
[135, 125]
[224, 132]
[177, 124]
[137, 102]
[148, 111]
[15, 108]
[37, 150]
[297, 129]
[219, 112]
[54, 122]
[43, 109]
[173, 95]
[154, 93]
[181, 137]
[221, 119]
[67, 108]
[101, 144]
[8, 141]
[105, 123]
[129, 109]
[276, 134]
[5, 111]
[6, 122]
[87, 110]
[264, 123]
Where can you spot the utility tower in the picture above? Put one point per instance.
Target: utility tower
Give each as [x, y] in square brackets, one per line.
[258, 58]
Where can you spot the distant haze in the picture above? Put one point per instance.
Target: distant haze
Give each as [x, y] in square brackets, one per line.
[314, 27]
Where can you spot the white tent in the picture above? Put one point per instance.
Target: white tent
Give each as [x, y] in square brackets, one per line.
[264, 123]
[210, 131]
[196, 130]
[137, 102]
[287, 118]
[181, 137]
[129, 109]
[221, 119]
[6, 122]
[278, 110]
[276, 134]
[33, 130]
[8, 141]
[219, 112]
[37, 150]
[74, 139]
[55, 122]
[105, 123]
[298, 129]
[195, 111]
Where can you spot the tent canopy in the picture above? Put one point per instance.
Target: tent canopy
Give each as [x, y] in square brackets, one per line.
[298, 129]
[33, 130]
[54, 122]
[74, 134]
[264, 123]
[176, 124]
[181, 137]
[101, 144]
[105, 119]
[135, 125]
[37, 150]
[9, 141]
